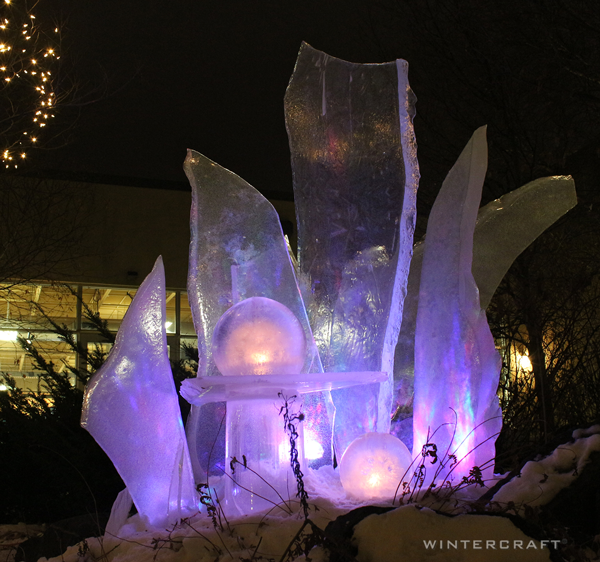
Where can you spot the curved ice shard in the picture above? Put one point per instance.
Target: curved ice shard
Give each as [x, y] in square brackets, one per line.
[457, 366]
[504, 228]
[238, 251]
[355, 181]
[131, 409]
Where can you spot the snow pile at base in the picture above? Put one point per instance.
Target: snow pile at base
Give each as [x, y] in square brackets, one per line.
[415, 534]
[197, 540]
[409, 533]
[541, 480]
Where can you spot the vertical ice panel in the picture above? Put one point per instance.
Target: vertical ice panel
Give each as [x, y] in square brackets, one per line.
[504, 228]
[131, 409]
[238, 251]
[457, 366]
[355, 180]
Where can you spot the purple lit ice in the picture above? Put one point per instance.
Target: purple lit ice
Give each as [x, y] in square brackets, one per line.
[238, 251]
[258, 336]
[505, 227]
[132, 411]
[457, 366]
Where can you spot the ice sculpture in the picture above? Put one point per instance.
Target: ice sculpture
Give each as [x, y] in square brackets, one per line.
[237, 251]
[457, 366]
[258, 336]
[205, 390]
[504, 228]
[373, 466]
[355, 181]
[131, 409]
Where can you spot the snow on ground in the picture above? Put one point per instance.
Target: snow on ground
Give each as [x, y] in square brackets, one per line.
[542, 479]
[420, 535]
[409, 533]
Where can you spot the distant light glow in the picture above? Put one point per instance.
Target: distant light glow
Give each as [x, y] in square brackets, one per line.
[524, 363]
[8, 335]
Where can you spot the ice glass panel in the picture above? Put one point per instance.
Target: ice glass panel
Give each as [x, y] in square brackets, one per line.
[238, 251]
[457, 366]
[355, 181]
[131, 409]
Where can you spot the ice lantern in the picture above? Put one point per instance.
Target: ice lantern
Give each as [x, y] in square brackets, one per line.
[258, 336]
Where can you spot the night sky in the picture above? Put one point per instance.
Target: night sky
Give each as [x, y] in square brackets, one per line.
[195, 74]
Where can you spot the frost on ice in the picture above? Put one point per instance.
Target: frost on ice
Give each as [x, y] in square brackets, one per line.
[355, 181]
[131, 409]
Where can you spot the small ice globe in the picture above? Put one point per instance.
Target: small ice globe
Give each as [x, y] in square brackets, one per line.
[258, 336]
[373, 465]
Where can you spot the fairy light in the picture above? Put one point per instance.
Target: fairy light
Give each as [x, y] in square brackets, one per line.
[27, 55]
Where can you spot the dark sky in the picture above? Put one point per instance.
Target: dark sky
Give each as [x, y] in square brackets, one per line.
[205, 75]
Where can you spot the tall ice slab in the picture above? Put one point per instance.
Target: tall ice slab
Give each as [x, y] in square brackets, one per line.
[355, 181]
[238, 251]
[131, 409]
[457, 366]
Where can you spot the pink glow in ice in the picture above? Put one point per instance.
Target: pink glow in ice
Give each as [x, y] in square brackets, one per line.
[456, 364]
[258, 336]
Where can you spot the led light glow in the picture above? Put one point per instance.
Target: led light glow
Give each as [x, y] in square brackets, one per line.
[258, 336]
[373, 466]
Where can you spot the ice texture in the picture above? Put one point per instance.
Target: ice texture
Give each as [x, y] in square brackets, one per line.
[131, 409]
[238, 251]
[256, 437]
[457, 366]
[504, 228]
[355, 181]
[373, 466]
[258, 336]
[204, 390]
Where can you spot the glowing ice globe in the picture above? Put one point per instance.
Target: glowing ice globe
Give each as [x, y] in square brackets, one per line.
[258, 336]
[373, 465]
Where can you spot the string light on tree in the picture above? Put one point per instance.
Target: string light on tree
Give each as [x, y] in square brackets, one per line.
[28, 55]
